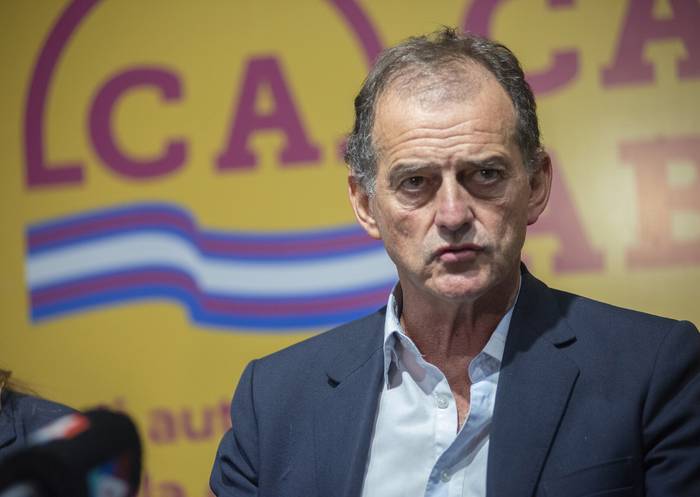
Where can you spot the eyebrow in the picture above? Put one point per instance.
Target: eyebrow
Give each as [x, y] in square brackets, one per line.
[495, 160]
[406, 169]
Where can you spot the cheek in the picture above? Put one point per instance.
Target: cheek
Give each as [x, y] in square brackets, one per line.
[505, 223]
[403, 235]
[400, 223]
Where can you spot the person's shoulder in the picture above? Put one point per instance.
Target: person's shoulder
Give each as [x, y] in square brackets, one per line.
[589, 316]
[587, 308]
[22, 414]
[360, 331]
[34, 412]
[301, 369]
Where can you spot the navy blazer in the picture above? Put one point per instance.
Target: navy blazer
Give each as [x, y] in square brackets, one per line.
[592, 400]
[22, 414]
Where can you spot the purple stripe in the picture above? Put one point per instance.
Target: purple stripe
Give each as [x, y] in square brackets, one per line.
[291, 247]
[107, 224]
[210, 243]
[218, 304]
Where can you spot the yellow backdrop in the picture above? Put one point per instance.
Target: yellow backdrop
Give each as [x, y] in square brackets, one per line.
[174, 200]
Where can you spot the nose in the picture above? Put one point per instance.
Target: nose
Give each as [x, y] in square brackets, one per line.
[454, 213]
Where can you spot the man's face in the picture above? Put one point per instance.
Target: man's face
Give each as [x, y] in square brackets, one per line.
[452, 198]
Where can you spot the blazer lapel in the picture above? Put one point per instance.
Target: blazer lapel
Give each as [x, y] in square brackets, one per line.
[344, 417]
[534, 385]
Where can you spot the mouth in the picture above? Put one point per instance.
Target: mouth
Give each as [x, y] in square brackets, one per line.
[459, 253]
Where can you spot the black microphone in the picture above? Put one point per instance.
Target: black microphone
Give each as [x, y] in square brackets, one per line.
[91, 454]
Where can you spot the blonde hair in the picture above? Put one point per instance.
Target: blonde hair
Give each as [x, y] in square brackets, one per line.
[9, 383]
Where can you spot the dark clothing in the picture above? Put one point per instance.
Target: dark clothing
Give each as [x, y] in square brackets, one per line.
[22, 414]
[592, 400]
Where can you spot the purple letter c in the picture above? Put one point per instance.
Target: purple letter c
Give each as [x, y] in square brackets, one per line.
[101, 131]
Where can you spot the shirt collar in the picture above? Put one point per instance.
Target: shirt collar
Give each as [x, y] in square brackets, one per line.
[394, 333]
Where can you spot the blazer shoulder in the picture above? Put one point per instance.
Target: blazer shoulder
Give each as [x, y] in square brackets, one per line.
[34, 412]
[296, 376]
[362, 332]
[22, 414]
[583, 313]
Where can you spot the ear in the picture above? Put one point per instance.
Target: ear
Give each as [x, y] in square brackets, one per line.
[540, 186]
[360, 201]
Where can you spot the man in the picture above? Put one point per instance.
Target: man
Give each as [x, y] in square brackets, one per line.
[477, 379]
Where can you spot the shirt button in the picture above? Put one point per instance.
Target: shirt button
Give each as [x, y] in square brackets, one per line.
[445, 476]
[442, 401]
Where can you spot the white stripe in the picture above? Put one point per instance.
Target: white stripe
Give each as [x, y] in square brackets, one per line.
[255, 278]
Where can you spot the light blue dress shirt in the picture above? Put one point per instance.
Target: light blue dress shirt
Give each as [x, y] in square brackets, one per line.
[417, 449]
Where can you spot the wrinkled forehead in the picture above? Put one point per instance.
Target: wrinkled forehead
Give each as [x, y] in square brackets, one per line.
[449, 82]
[432, 93]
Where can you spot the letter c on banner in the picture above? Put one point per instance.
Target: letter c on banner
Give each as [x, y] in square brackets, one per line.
[564, 66]
[102, 134]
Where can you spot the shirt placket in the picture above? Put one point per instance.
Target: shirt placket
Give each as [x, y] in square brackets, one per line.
[445, 417]
[441, 482]
[444, 481]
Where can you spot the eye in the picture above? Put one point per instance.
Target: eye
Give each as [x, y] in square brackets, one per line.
[413, 183]
[487, 181]
[486, 175]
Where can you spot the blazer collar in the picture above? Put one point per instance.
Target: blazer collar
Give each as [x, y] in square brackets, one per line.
[345, 413]
[534, 385]
[365, 338]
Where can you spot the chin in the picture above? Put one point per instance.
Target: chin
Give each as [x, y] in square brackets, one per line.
[459, 290]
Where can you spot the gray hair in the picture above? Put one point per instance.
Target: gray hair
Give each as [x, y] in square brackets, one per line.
[426, 56]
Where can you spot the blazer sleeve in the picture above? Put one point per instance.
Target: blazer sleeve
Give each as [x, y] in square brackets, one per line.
[671, 416]
[235, 471]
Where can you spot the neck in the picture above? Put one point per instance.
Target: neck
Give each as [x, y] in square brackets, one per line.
[443, 329]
